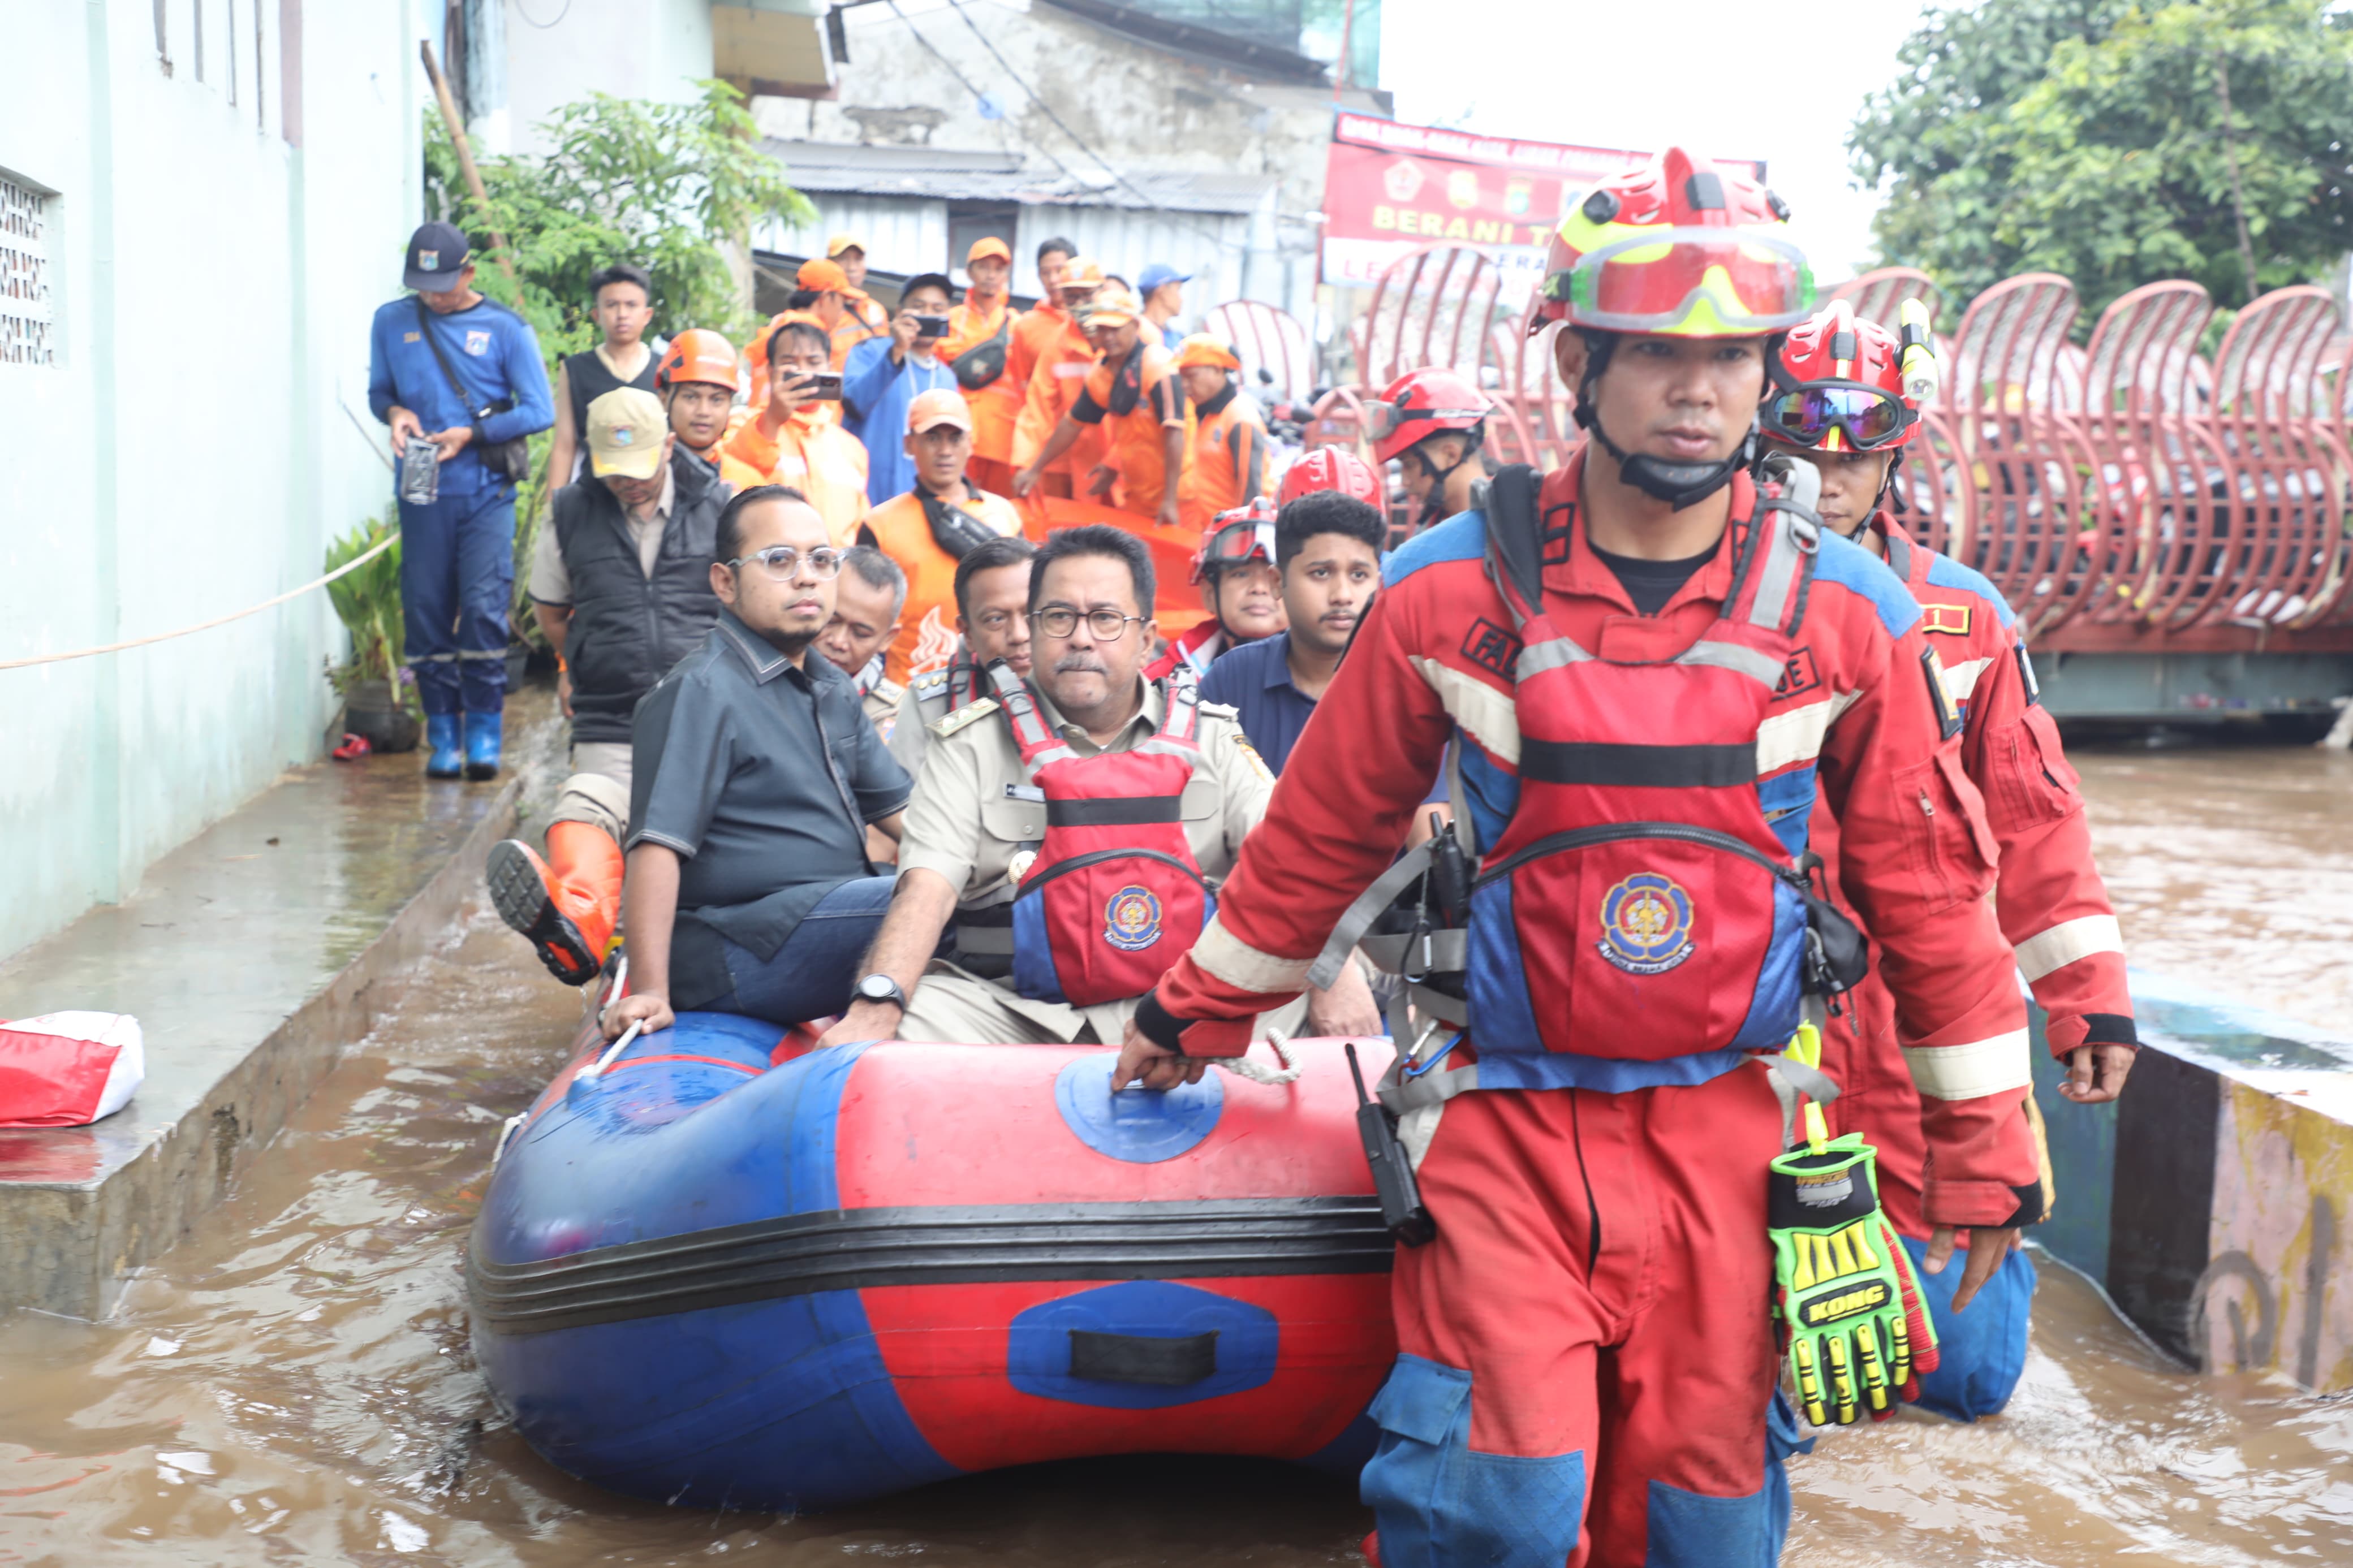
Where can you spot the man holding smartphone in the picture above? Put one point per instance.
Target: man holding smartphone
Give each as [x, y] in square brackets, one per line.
[796, 439]
[884, 376]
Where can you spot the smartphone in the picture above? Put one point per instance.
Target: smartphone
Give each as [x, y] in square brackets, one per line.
[931, 326]
[824, 386]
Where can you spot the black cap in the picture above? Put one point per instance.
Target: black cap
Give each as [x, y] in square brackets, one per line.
[436, 254]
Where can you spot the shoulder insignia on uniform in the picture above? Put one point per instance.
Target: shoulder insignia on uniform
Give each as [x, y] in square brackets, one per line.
[931, 680]
[1257, 763]
[1953, 620]
[1220, 711]
[944, 728]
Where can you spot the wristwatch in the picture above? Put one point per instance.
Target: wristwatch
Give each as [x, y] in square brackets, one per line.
[880, 988]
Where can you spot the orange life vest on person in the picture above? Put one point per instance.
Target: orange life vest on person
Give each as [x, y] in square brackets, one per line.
[927, 635]
[812, 453]
[1139, 403]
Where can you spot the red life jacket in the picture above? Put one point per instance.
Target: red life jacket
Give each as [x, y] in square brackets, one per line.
[1114, 897]
[1639, 905]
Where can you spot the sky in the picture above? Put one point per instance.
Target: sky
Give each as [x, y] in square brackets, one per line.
[1703, 72]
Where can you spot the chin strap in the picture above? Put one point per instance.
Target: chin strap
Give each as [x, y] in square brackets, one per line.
[1433, 506]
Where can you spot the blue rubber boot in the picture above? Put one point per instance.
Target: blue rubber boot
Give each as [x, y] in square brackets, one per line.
[482, 732]
[445, 760]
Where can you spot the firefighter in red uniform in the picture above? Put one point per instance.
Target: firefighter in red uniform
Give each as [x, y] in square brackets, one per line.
[1587, 1366]
[1842, 396]
[1431, 421]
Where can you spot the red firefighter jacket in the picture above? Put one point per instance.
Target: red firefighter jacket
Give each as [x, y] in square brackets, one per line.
[1856, 719]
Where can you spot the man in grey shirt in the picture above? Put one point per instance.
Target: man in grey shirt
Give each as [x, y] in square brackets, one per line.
[755, 778]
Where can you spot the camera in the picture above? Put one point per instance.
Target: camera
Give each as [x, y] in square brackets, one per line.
[930, 327]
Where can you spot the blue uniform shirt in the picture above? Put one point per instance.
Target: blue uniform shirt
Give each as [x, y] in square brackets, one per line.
[1255, 680]
[878, 392]
[495, 354]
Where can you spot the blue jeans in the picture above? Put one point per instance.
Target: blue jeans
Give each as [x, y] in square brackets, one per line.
[457, 579]
[1981, 1350]
[812, 974]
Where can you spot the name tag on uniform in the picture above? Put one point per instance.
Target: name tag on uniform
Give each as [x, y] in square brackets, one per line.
[1030, 793]
[1066, 371]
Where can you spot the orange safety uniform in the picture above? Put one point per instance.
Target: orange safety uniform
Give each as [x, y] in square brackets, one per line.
[812, 453]
[1062, 362]
[1135, 406]
[996, 405]
[927, 633]
[1225, 459]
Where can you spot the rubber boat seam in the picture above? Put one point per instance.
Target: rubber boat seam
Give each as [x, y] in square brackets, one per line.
[860, 1248]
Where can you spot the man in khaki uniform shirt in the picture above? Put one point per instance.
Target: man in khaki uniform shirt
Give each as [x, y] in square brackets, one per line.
[974, 821]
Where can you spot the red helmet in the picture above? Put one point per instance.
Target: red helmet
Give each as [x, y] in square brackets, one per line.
[698, 354]
[1421, 404]
[1236, 538]
[1840, 384]
[1678, 247]
[1331, 469]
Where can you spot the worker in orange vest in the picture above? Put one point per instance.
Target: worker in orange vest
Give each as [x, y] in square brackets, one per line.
[1132, 393]
[797, 440]
[1225, 463]
[696, 380]
[981, 349]
[931, 527]
[1064, 363]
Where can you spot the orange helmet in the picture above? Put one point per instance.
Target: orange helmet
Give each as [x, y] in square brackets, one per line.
[1331, 469]
[1421, 404]
[697, 354]
[1838, 386]
[1678, 247]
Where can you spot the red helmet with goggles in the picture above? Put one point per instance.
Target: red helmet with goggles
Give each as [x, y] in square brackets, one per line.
[1679, 248]
[1331, 469]
[1236, 538]
[1421, 404]
[1840, 384]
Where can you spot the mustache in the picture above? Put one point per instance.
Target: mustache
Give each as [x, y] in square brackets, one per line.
[1076, 663]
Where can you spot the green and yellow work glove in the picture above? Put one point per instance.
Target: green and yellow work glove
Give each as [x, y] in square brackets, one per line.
[1859, 1333]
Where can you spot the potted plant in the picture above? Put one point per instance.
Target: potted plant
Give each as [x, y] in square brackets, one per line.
[379, 698]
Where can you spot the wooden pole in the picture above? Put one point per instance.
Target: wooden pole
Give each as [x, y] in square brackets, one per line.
[1347, 33]
[465, 151]
[2238, 190]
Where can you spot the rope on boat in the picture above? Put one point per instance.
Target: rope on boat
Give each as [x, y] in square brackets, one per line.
[1242, 1066]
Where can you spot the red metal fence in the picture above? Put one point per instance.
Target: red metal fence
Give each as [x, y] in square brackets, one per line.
[2131, 493]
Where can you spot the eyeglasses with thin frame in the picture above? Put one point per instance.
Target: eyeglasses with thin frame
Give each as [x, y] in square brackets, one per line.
[783, 562]
[1059, 621]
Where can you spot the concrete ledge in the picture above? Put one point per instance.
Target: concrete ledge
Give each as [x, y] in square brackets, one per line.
[251, 955]
[2211, 1201]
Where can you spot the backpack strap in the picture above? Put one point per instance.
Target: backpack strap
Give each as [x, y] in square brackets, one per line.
[1775, 571]
[1038, 744]
[1515, 539]
[1180, 719]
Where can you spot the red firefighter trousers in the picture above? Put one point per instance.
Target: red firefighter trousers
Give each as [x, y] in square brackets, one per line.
[1588, 1368]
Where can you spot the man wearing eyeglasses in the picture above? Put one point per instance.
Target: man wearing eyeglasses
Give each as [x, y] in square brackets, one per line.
[620, 583]
[756, 777]
[977, 824]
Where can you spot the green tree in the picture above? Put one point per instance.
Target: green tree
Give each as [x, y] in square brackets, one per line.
[2091, 138]
[669, 187]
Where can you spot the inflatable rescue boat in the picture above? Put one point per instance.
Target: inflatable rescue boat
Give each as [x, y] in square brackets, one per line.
[723, 1270]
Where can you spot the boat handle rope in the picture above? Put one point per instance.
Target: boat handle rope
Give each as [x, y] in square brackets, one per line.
[1243, 1067]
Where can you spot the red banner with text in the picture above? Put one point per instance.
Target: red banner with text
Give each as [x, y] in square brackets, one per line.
[1389, 187]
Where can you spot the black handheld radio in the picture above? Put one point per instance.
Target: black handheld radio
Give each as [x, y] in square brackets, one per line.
[1393, 1180]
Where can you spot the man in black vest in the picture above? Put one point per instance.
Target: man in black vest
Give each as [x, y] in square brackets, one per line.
[621, 583]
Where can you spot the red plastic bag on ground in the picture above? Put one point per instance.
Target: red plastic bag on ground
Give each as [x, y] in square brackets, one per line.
[65, 1069]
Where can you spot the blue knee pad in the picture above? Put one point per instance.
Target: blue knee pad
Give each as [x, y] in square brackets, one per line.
[1439, 1504]
[1980, 1353]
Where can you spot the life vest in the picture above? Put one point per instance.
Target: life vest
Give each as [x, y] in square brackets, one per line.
[1639, 905]
[1114, 897]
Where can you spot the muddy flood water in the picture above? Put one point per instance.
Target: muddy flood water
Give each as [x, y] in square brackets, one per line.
[292, 1384]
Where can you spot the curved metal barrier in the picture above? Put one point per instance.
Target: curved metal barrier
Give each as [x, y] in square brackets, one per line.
[2126, 494]
[1272, 343]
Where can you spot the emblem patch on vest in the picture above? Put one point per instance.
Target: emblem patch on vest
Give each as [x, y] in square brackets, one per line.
[1646, 924]
[1953, 620]
[1132, 920]
[1491, 648]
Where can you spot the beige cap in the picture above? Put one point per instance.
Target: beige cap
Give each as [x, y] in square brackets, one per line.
[626, 427]
[1114, 308]
[941, 405]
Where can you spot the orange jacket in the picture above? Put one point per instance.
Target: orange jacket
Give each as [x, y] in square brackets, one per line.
[1139, 437]
[1063, 360]
[1225, 460]
[812, 453]
[995, 407]
[927, 631]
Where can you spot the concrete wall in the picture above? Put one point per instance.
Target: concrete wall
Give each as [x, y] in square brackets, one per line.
[214, 247]
[1136, 106]
[558, 53]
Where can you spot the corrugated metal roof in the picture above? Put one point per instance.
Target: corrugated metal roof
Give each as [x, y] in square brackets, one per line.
[943, 174]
